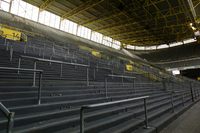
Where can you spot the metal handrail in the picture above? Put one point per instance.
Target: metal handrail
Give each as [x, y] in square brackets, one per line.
[60, 62]
[84, 107]
[9, 115]
[29, 70]
[118, 76]
[54, 61]
[172, 92]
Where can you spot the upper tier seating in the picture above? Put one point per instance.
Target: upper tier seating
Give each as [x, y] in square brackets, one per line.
[63, 95]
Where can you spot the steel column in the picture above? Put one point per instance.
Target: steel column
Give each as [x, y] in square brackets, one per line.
[19, 65]
[10, 122]
[40, 88]
[145, 114]
[82, 125]
[34, 73]
[87, 76]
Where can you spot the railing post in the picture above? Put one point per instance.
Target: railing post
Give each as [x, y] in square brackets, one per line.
[11, 53]
[7, 46]
[87, 76]
[25, 45]
[82, 125]
[122, 81]
[94, 74]
[40, 88]
[183, 99]
[191, 90]
[34, 73]
[164, 84]
[145, 113]
[172, 102]
[106, 87]
[19, 65]
[134, 84]
[61, 69]
[10, 122]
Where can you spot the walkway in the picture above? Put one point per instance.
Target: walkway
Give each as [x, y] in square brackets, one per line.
[189, 122]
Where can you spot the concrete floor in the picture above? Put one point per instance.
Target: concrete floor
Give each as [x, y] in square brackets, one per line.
[189, 122]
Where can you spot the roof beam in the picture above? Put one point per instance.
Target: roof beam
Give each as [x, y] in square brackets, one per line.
[45, 4]
[153, 29]
[83, 7]
[101, 19]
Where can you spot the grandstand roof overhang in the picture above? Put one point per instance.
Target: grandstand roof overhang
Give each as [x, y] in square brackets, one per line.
[134, 22]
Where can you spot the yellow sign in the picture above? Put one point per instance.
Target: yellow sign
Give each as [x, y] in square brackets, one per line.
[129, 67]
[96, 53]
[12, 34]
[198, 78]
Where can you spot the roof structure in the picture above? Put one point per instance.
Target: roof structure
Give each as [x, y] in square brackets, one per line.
[134, 22]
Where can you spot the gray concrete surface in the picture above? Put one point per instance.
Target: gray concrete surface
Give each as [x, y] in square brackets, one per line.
[189, 122]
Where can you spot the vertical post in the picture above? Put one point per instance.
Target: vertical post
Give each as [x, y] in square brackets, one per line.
[183, 99]
[40, 88]
[11, 53]
[10, 122]
[19, 65]
[7, 46]
[61, 70]
[164, 84]
[25, 45]
[87, 76]
[191, 90]
[94, 74]
[145, 113]
[134, 85]
[122, 81]
[172, 102]
[34, 73]
[106, 87]
[82, 125]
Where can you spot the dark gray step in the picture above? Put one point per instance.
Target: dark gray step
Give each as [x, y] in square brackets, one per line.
[32, 101]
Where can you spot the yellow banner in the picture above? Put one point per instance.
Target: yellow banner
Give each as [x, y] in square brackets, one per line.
[198, 78]
[10, 34]
[129, 67]
[96, 53]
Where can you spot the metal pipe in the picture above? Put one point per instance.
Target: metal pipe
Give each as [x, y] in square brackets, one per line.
[10, 122]
[172, 102]
[145, 113]
[106, 87]
[82, 125]
[19, 65]
[40, 88]
[61, 70]
[192, 93]
[34, 74]
[11, 53]
[183, 99]
[87, 76]
[94, 74]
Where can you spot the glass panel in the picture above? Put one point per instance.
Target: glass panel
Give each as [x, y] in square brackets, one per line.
[5, 5]
[97, 37]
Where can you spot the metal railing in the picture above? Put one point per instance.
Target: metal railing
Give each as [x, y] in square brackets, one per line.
[29, 70]
[117, 76]
[82, 125]
[10, 116]
[61, 65]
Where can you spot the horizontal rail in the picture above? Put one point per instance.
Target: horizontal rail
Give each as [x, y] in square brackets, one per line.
[121, 76]
[4, 110]
[54, 61]
[114, 102]
[34, 78]
[82, 125]
[20, 69]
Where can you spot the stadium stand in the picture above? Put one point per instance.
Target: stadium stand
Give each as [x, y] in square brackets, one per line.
[55, 79]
